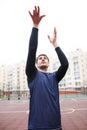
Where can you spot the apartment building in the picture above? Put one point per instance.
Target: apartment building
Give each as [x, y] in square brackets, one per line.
[3, 77]
[76, 75]
[13, 79]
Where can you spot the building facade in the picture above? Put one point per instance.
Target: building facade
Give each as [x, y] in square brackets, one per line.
[13, 79]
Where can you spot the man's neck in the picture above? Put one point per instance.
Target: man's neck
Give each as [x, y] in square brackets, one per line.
[45, 70]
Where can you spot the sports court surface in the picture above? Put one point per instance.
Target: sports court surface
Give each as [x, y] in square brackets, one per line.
[14, 114]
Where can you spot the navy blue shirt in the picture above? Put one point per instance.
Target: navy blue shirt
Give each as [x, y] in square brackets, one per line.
[44, 92]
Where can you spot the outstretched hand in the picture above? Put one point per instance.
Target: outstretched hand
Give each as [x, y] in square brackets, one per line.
[36, 18]
[53, 40]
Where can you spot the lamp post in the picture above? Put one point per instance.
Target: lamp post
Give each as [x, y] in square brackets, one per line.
[3, 89]
[18, 92]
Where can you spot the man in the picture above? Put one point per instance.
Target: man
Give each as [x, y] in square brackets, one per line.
[44, 93]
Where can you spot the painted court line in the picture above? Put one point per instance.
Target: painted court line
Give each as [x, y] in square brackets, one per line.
[4, 112]
[71, 110]
[67, 110]
[18, 102]
[64, 111]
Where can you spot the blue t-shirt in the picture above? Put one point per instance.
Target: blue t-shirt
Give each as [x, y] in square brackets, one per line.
[44, 102]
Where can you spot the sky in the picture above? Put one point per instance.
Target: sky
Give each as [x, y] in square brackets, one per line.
[68, 16]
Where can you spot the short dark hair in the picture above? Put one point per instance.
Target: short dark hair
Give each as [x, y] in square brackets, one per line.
[41, 55]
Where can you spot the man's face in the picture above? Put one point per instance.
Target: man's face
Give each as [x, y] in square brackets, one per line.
[42, 62]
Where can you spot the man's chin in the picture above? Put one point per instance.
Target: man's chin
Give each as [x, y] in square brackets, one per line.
[43, 67]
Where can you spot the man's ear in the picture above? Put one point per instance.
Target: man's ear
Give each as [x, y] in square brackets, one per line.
[36, 64]
[48, 64]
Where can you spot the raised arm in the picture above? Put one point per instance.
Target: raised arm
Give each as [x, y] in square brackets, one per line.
[64, 64]
[30, 64]
[62, 58]
[33, 44]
